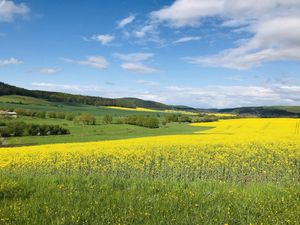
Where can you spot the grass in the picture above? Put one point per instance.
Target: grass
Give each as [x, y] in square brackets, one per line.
[93, 199]
[81, 133]
[42, 105]
[100, 132]
[22, 100]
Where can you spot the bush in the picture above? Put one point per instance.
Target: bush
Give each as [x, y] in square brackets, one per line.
[41, 115]
[172, 118]
[52, 115]
[107, 119]
[87, 119]
[70, 116]
[143, 121]
[206, 118]
[61, 115]
[17, 129]
[185, 119]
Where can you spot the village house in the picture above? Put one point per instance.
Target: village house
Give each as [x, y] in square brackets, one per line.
[8, 114]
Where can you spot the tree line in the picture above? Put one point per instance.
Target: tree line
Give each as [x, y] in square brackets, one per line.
[18, 129]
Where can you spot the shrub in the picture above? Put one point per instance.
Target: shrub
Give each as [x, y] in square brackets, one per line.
[52, 115]
[107, 119]
[143, 121]
[17, 129]
[70, 116]
[41, 115]
[87, 119]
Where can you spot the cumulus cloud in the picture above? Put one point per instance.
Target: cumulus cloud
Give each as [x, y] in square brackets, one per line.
[235, 96]
[138, 68]
[9, 10]
[10, 61]
[273, 24]
[270, 43]
[134, 57]
[105, 39]
[186, 39]
[124, 22]
[97, 62]
[191, 12]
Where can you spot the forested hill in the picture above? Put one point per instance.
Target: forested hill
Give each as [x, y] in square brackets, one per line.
[6, 89]
[266, 111]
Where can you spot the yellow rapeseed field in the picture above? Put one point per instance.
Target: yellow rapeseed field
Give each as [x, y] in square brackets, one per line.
[243, 171]
[241, 150]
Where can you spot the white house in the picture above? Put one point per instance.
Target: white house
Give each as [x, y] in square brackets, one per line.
[8, 114]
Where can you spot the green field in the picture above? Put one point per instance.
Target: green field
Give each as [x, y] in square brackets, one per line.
[85, 133]
[23, 102]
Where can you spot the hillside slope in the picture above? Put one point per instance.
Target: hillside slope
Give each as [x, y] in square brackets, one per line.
[266, 111]
[6, 89]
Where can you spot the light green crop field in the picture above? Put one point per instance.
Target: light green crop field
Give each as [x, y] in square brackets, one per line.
[22, 100]
[100, 132]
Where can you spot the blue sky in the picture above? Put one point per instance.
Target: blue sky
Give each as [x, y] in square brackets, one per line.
[217, 53]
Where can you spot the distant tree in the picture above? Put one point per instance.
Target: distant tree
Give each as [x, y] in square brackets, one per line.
[17, 128]
[70, 116]
[41, 115]
[172, 118]
[87, 119]
[61, 115]
[52, 114]
[107, 119]
[143, 121]
[184, 118]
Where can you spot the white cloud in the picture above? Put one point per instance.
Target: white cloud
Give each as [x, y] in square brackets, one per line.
[187, 12]
[48, 70]
[148, 83]
[144, 30]
[205, 97]
[186, 39]
[234, 96]
[124, 22]
[191, 12]
[11, 61]
[97, 62]
[270, 43]
[138, 68]
[104, 39]
[61, 87]
[9, 10]
[273, 27]
[134, 57]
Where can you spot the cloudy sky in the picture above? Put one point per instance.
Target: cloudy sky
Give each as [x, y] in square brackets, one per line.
[201, 53]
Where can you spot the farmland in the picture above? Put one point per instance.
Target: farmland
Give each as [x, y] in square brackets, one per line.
[242, 171]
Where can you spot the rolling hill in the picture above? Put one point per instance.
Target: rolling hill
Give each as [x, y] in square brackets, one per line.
[12, 93]
[8, 90]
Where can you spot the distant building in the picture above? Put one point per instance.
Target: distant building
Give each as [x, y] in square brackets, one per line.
[8, 114]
